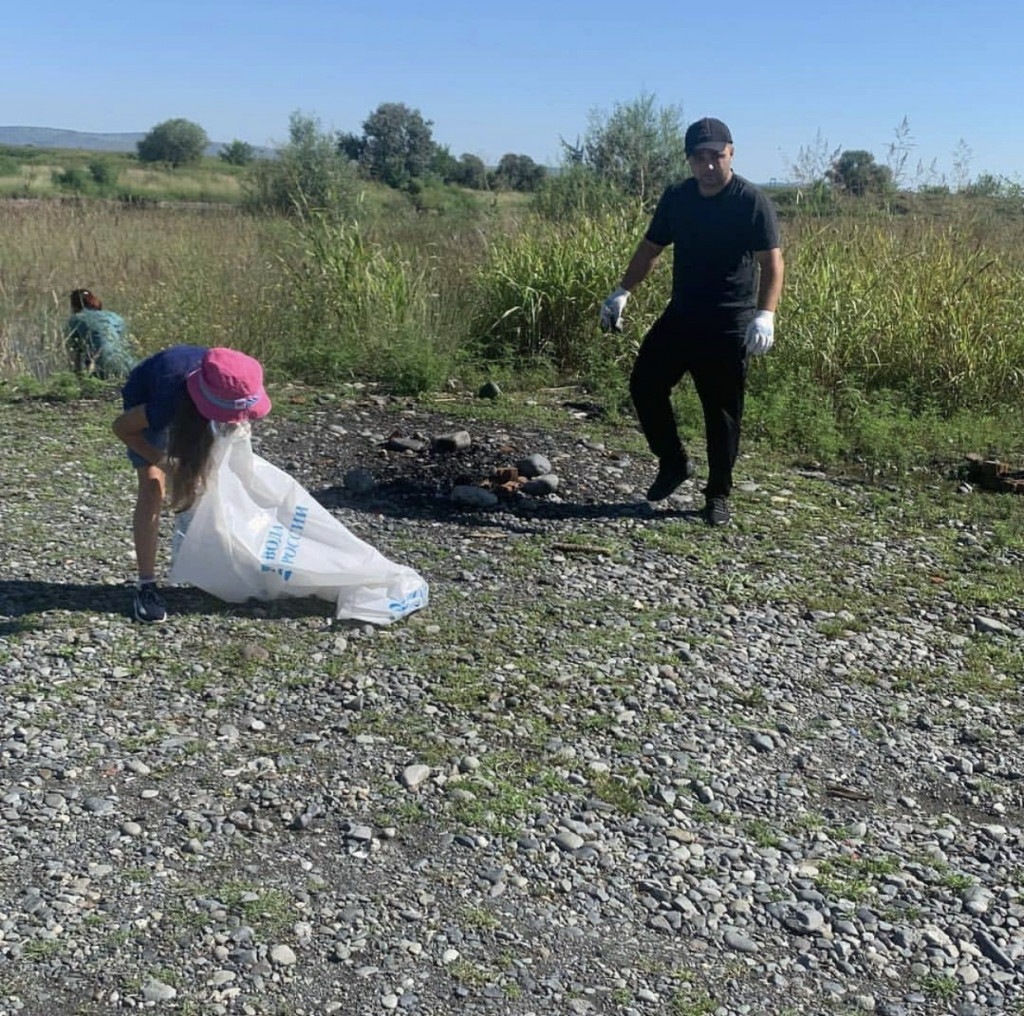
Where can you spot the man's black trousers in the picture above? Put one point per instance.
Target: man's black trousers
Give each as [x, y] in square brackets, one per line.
[709, 346]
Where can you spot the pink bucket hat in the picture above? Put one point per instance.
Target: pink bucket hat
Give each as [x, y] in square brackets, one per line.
[228, 387]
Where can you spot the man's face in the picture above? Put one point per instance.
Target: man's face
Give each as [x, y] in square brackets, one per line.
[711, 168]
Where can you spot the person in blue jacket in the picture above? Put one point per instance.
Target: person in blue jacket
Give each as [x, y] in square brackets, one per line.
[97, 339]
[170, 400]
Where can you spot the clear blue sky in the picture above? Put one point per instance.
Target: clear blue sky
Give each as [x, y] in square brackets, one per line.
[514, 77]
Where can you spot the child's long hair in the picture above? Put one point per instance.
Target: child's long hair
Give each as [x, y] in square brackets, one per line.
[189, 447]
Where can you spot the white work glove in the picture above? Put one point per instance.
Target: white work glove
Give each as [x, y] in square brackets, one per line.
[612, 308]
[760, 335]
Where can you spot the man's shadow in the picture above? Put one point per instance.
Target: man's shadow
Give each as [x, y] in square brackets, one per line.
[409, 499]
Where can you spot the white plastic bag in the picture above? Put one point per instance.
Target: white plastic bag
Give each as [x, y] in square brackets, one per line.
[256, 532]
[181, 523]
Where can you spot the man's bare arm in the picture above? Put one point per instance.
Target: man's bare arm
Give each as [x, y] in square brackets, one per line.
[772, 270]
[644, 259]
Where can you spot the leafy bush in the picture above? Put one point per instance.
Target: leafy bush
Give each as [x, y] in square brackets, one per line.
[638, 148]
[310, 176]
[9, 166]
[575, 193]
[397, 144]
[431, 195]
[518, 172]
[74, 178]
[103, 172]
[857, 173]
[238, 153]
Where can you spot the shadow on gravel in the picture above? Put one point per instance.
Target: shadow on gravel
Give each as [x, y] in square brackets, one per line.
[22, 596]
[19, 598]
[407, 499]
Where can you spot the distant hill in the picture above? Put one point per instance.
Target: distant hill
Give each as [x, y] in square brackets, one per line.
[55, 137]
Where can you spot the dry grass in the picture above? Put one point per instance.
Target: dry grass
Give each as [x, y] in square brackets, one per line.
[181, 186]
[176, 275]
[30, 181]
[202, 183]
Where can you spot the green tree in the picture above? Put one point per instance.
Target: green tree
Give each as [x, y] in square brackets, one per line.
[857, 173]
[398, 144]
[176, 142]
[444, 165]
[309, 175]
[238, 153]
[472, 171]
[639, 148]
[351, 145]
[518, 172]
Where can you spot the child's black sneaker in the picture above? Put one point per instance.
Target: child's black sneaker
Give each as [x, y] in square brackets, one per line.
[148, 606]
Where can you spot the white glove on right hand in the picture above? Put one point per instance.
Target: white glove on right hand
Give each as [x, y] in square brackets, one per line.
[760, 335]
[612, 308]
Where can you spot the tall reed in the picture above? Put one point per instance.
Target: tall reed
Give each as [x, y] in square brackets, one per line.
[367, 308]
[920, 309]
[538, 290]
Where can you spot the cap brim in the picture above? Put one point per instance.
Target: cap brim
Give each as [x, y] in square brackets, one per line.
[217, 413]
[712, 146]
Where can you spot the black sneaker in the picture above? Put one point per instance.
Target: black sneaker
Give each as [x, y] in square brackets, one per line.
[716, 511]
[148, 607]
[671, 473]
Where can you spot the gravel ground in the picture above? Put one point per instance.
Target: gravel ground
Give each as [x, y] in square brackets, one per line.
[622, 764]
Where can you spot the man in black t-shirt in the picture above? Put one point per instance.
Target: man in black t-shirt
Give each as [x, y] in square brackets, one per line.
[724, 229]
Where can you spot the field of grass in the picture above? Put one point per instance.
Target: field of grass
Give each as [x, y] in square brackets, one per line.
[898, 338]
[28, 173]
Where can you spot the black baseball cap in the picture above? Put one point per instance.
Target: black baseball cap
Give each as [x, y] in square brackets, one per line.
[707, 133]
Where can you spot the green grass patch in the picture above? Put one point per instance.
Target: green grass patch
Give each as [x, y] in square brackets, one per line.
[763, 833]
[940, 987]
[852, 877]
[38, 950]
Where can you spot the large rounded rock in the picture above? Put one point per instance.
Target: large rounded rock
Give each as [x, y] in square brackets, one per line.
[539, 486]
[533, 465]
